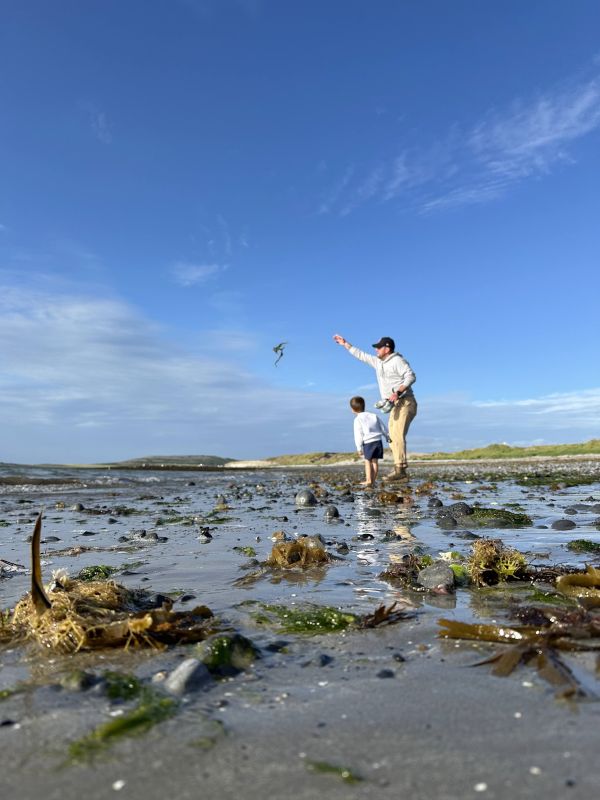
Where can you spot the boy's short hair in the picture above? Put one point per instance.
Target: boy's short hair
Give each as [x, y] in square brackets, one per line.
[357, 403]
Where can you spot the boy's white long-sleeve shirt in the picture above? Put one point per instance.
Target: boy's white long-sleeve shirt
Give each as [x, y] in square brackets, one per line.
[368, 427]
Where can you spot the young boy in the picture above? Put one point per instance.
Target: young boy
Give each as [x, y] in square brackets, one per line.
[369, 432]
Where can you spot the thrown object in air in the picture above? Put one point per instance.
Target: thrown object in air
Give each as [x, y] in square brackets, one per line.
[278, 350]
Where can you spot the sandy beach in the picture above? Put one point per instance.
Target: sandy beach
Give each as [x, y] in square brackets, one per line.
[386, 712]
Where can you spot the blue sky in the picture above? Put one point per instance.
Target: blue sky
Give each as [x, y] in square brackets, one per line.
[186, 183]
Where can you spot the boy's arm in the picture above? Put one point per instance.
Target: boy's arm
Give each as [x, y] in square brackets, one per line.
[358, 435]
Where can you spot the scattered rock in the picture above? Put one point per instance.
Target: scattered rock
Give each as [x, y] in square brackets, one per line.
[563, 525]
[438, 577]
[305, 499]
[191, 674]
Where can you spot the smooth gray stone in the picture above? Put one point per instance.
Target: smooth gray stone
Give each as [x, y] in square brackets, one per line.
[191, 674]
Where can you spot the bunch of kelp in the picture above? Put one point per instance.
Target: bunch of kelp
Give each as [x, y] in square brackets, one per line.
[545, 632]
[77, 615]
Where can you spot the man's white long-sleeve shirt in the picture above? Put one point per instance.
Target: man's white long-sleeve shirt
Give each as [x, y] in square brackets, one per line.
[393, 372]
[368, 427]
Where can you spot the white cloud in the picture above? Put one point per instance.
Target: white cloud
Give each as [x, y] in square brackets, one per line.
[478, 163]
[89, 379]
[188, 274]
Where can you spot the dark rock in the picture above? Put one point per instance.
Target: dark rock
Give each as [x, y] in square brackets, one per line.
[342, 548]
[563, 525]
[460, 509]
[305, 499]
[77, 507]
[435, 502]
[571, 510]
[386, 673]
[446, 522]
[331, 512]
[466, 535]
[439, 576]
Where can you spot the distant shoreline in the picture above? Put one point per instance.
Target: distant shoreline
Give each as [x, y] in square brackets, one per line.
[256, 465]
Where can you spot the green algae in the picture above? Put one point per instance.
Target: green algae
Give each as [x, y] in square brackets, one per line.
[247, 551]
[498, 517]
[461, 574]
[325, 768]
[583, 546]
[119, 686]
[308, 620]
[227, 653]
[10, 692]
[151, 709]
[96, 572]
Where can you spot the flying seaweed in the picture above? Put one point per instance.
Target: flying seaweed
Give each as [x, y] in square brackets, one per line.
[278, 350]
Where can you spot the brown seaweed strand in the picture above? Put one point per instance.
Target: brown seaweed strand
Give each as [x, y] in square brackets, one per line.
[38, 595]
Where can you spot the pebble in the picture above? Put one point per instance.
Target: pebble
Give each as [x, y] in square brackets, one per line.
[191, 674]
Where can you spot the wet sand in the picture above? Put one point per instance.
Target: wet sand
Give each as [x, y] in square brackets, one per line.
[401, 709]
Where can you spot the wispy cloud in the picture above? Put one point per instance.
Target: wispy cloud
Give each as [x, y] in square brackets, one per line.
[86, 378]
[455, 422]
[92, 379]
[187, 274]
[478, 163]
[99, 123]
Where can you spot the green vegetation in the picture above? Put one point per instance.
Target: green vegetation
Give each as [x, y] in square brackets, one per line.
[506, 451]
[96, 572]
[247, 551]
[227, 653]
[498, 518]
[584, 546]
[119, 686]
[310, 619]
[152, 709]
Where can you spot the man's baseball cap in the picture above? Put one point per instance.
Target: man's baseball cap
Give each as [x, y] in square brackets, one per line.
[385, 341]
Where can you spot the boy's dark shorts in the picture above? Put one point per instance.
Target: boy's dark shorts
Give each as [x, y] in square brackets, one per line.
[373, 450]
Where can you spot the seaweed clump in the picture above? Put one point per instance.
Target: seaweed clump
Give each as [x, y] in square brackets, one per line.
[77, 615]
[303, 552]
[536, 644]
[491, 562]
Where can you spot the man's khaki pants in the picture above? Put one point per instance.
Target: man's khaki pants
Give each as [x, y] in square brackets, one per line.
[401, 416]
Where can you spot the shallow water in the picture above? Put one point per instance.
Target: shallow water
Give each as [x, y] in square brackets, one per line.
[260, 503]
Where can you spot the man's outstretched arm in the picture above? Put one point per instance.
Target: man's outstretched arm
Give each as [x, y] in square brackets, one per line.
[354, 351]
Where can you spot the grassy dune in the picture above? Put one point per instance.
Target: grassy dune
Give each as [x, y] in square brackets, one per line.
[481, 453]
[506, 451]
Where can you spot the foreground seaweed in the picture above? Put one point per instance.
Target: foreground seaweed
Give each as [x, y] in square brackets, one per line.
[152, 708]
[491, 562]
[327, 619]
[90, 614]
[536, 644]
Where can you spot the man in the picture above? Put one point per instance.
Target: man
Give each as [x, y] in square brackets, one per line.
[395, 377]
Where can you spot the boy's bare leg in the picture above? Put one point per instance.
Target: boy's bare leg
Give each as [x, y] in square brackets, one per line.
[368, 473]
[374, 469]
